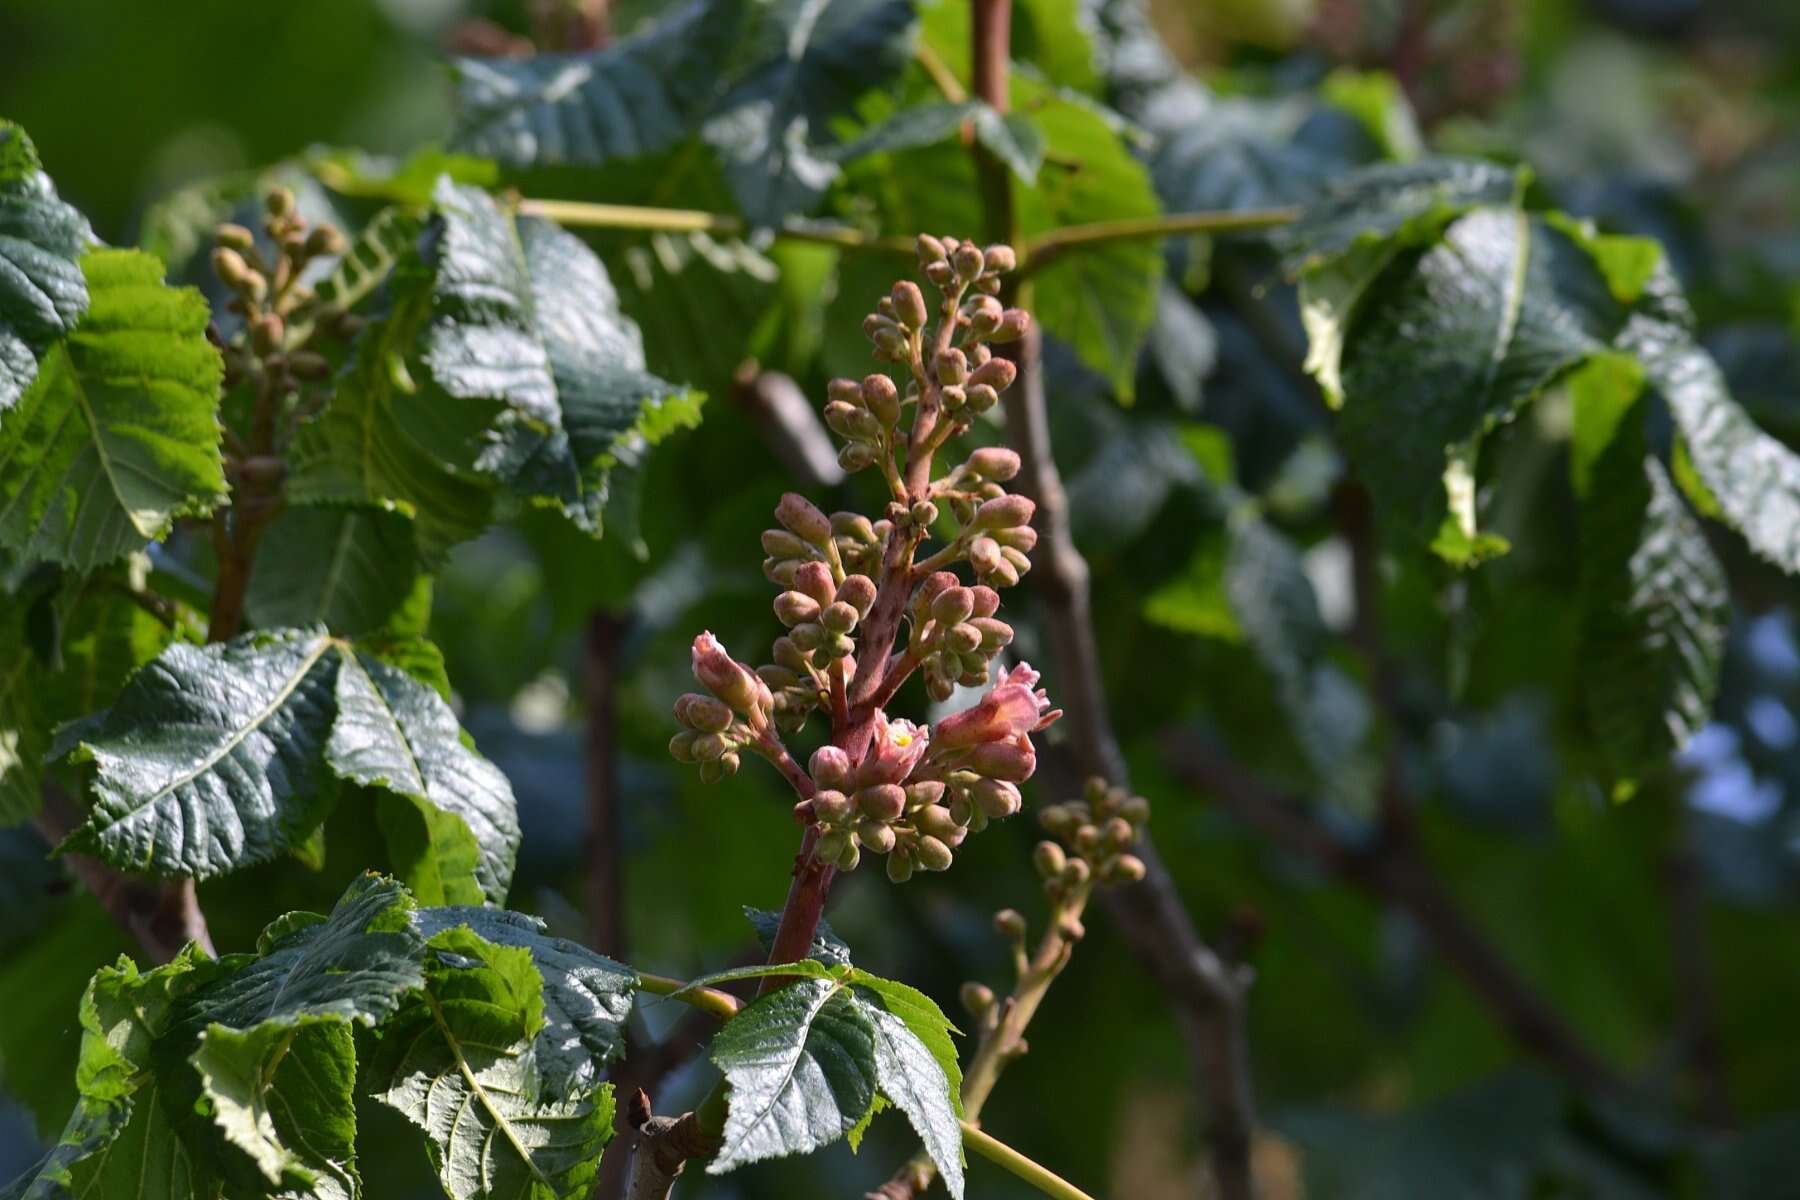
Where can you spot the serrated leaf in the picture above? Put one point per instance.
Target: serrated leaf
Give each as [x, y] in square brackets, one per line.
[587, 996]
[1099, 299]
[1452, 341]
[218, 756]
[641, 95]
[343, 567]
[104, 635]
[1238, 153]
[1655, 603]
[801, 64]
[43, 292]
[911, 1077]
[118, 434]
[800, 1062]
[827, 946]
[1405, 201]
[1754, 478]
[460, 1064]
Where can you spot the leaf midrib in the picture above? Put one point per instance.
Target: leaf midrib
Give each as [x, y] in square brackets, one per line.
[468, 1074]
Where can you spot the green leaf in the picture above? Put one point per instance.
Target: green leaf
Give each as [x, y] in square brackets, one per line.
[119, 434]
[43, 292]
[800, 1062]
[1754, 478]
[1099, 299]
[1013, 137]
[827, 946]
[1195, 601]
[1408, 202]
[103, 636]
[346, 568]
[801, 64]
[219, 756]
[911, 1077]
[638, 96]
[920, 1014]
[460, 1064]
[587, 996]
[1655, 604]
[1451, 342]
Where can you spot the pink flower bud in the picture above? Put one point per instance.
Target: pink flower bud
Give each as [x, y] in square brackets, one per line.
[987, 601]
[997, 798]
[804, 518]
[882, 801]
[930, 249]
[1004, 512]
[1000, 258]
[1012, 326]
[994, 462]
[844, 391]
[1013, 761]
[934, 585]
[728, 679]
[858, 591]
[882, 397]
[997, 373]
[814, 578]
[953, 605]
[909, 303]
[795, 608]
[985, 316]
[1000, 716]
[829, 767]
[984, 553]
[703, 713]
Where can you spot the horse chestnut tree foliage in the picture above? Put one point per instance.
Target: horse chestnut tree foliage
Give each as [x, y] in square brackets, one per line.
[222, 507]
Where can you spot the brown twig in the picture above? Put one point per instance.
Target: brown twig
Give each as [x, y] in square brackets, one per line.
[605, 866]
[790, 424]
[1697, 1037]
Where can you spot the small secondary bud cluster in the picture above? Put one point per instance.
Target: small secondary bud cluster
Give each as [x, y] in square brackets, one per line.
[1091, 839]
[279, 311]
[716, 727]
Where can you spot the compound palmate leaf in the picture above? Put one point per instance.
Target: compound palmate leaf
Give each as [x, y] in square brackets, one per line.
[42, 290]
[461, 1063]
[219, 756]
[118, 434]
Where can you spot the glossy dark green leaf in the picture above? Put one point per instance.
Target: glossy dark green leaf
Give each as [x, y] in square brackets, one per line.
[827, 946]
[118, 434]
[587, 996]
[1408, 201]
[1013, 137]
[339, 566]
[460, 1064]
[42, 290]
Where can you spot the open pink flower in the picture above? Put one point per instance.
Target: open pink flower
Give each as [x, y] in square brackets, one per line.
[894, 751]
[1016, 706]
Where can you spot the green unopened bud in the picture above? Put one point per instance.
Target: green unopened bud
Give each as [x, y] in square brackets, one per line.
[1136, 810]
[968, 261]
[279, 202]
[838, 617]
[308, 364]
[858, 591]
[924, 793]
[789, 655]
[325, 240]
[923, 513]
[840, 418]
[1000, 258]
[779, 543]
[963, 640]
[883, 399]
[719, 769]
[1117, 833]
[705, 713]
[882, 802]
[1049, 859]
[940, 685]
[831, 845]
[987, 601]
[953, 398]
[875, 325]
[1076, 872]
[930, 249]
[996, 634]
[231, 268]
[856, 456]
[981, 398]
[234, 237]
[844, 391]
[909, 304]
[976, 998]
[1012, 326]
[808, 635]
[890, 344]
[838, 645]
[1015, 558]
[953, 605]
[993, 462]
[1009, 923]
[885, 307]
[941, 274]
[1020, 537]
[937, 821]
[985, 316]
[266, 333]
[1086, 839]
[875, 836]
[952, 366]
[709, 746]
[795, 608]
[1071, 928]
[681, 746]
[996, 798]
[831, 806]
[1127, 868]
[854, 526]
[778, 678]
[933, 855]
[899, 866]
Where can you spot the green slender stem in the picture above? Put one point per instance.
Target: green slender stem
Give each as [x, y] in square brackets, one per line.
[722, 1005]
[650, 219]
[1041, 251]
[1039, 1177]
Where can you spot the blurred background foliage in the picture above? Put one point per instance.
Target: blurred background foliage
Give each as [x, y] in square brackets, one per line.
[1380, 1074]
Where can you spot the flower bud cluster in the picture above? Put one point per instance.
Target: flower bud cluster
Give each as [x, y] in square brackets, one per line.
[279, 311]
[716, 727]
[1091, 839]
[955, 634]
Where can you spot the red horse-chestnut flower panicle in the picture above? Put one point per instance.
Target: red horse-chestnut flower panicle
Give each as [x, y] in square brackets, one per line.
[866, 601]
